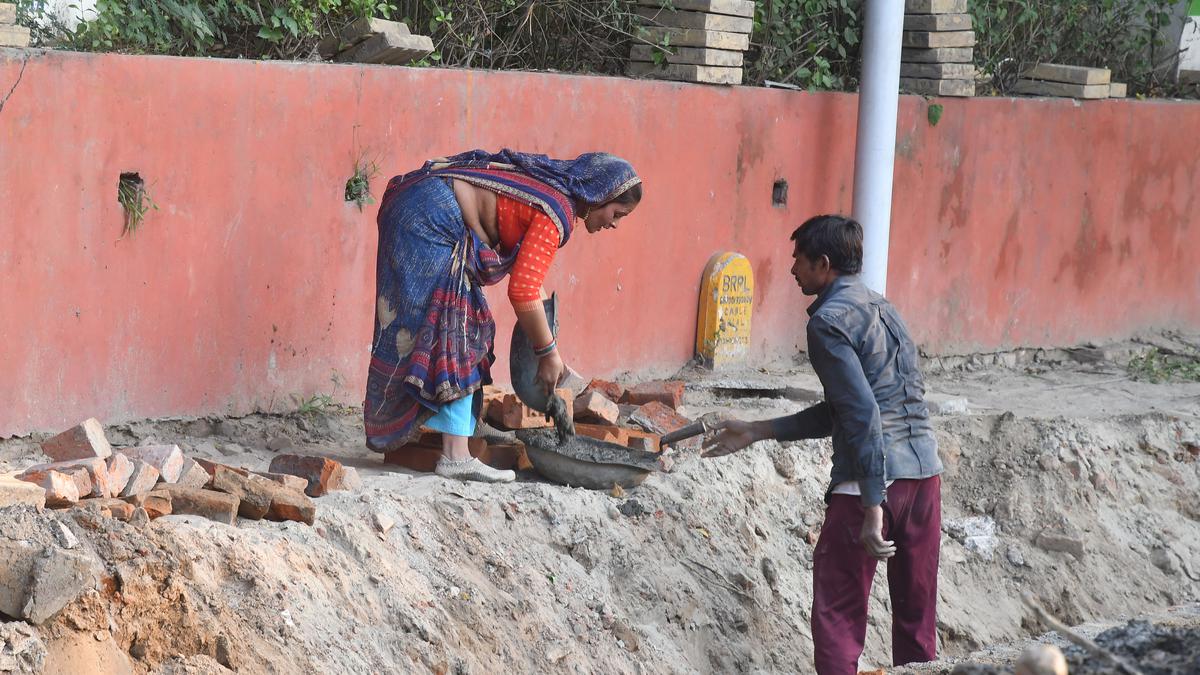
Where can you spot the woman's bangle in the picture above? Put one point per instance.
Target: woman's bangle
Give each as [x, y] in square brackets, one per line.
[545, 351]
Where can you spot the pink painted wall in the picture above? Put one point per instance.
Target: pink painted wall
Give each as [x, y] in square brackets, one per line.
[1017, 222]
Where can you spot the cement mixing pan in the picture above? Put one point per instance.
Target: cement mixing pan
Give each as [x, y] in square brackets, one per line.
[586, 462]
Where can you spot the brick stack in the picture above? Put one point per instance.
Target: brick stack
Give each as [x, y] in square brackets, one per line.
[938, 52]
[1051, 79]
[11, 35]
[696, 40]
[150, 481]
[636, 417]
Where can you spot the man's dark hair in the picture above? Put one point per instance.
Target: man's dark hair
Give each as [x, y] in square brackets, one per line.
[837, 237]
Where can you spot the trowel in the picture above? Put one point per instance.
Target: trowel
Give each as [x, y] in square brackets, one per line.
[700, 426]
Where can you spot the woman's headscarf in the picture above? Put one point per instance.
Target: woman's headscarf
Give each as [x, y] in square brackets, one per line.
[553, 185]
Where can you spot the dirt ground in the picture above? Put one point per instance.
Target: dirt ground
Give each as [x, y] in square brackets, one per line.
[1065, 477]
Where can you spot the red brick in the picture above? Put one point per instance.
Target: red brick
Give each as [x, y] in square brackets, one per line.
[495, 455]
[666, 392]
[94, 478]
[414, 457]
[288, 481]
[594, 407]
[113, 508]
[83, 441]
[491, 394]
[424, 455]
[168, 459]
[193, 474]
[611, 390]
[430, 439]
[83, 481]
[510, 413]
[143, 480]
[120, 470]
[61, 489]
[573, 382]
[16, 491]
[658, 418]
[523, 462]
[642, 440]
[603, 432]
[218, 506]
[253, 492]
[157, 503]
[318, 471]
[211, 467]
[291, 505]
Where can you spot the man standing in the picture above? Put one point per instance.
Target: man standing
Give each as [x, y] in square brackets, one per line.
[884, 500]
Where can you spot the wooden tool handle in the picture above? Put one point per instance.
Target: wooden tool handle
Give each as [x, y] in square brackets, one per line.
[693, 429]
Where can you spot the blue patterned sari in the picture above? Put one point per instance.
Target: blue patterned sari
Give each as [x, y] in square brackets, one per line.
[434, 333]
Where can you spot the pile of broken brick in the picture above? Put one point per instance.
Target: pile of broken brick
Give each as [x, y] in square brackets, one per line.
[636, 417]
[142, 483]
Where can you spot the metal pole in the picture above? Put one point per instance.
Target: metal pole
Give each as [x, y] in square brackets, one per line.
[875, 151]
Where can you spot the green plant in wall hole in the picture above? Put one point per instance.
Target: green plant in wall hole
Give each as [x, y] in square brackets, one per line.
[934, 114]
[135, 201]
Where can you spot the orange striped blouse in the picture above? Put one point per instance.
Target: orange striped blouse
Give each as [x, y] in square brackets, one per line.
[528, 226]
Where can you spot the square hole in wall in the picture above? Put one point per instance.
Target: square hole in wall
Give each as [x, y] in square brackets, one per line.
[779, 193]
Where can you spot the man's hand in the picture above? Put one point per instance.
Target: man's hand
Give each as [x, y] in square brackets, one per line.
[872, 535]
[734, 435]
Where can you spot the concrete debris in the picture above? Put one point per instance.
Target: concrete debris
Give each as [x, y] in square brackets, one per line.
[1042, 660]
[36, 581]
[943, 404]
[385, 42]
[280, 444]
[1163, 559]
[348, 480]
[21, 648]
[58, 578]
[382, 523]
[976, 533]
[66, 538]
[1062, 543]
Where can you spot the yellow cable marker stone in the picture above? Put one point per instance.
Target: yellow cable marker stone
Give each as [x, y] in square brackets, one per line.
[726, 301]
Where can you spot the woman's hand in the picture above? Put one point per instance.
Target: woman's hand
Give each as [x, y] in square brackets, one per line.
[551, 371]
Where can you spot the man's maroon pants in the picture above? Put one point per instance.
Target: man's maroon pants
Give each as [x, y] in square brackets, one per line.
[842, 575]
